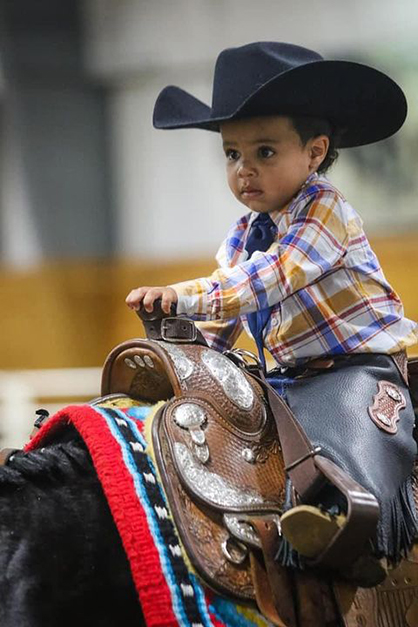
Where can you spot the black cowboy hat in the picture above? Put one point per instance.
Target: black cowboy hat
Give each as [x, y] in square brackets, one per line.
[271, 78]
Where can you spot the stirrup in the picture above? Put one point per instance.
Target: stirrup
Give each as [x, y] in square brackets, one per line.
[360, 524]
[310, 530]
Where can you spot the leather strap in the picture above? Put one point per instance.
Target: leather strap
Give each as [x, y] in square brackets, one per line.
[310, 600]
[273, 586]
[263, 593]
[175, 330]
[298, 454]
[168, 327]
[277, 587]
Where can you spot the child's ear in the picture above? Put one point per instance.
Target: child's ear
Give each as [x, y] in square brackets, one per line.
[318, 150]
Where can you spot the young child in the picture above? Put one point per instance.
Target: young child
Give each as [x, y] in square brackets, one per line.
[297, 271]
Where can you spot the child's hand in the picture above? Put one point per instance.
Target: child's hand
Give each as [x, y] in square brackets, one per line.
[147, 296]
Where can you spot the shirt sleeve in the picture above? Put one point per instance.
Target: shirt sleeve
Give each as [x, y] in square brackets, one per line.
[314, 244]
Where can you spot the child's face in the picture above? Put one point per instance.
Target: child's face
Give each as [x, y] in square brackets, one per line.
[266, 161]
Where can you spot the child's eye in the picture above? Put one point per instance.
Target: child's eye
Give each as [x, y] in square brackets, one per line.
[265, 152]
[231, 155]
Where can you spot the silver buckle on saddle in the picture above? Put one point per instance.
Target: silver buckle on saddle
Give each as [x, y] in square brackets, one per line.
[240, 527]
[181, 324]
[243, 358]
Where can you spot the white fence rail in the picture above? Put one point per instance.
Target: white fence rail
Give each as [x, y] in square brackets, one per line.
[22, 392]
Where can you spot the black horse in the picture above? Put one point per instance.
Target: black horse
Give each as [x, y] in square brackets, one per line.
[62, 563]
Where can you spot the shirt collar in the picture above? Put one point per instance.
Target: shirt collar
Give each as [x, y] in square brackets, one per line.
[277, 215]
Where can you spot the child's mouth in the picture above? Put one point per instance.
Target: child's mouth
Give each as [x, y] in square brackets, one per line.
[249, 192]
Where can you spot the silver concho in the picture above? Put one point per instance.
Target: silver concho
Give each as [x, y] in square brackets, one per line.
[210, 486]
[202, 452]
[384, 419]
[394, 394]
[148, 361]
[233, 381]
[138, 360]
[198, 436]
[192, 417]
[249, 455]
[189, 415]
[183, 365]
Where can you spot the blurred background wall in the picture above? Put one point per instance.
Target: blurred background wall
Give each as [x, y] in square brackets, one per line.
[94, 201]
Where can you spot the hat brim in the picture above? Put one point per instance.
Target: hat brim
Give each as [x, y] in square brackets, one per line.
[362, 103]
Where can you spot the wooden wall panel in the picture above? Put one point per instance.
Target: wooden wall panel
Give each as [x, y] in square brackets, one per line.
[70, 314]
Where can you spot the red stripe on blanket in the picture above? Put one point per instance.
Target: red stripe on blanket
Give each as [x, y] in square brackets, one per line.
[126, 508]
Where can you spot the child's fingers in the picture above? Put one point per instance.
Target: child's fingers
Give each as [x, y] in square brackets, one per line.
[152, 294]
[135, 297]
[168, 297]
[148, 295]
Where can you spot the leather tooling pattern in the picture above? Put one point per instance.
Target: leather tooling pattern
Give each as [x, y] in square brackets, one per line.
[387, 404]
[393, 602]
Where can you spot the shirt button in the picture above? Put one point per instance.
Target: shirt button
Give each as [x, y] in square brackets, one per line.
[274, 322]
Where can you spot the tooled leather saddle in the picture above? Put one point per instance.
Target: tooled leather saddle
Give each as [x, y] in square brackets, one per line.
[223, 455]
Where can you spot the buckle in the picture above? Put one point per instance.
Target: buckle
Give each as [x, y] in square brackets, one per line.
[243, 358]
[179, 330]
[311, 453]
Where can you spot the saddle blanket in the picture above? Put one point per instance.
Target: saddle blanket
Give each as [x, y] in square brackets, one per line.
[169, 592]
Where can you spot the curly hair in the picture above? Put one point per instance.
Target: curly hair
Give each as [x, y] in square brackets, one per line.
[309, 127]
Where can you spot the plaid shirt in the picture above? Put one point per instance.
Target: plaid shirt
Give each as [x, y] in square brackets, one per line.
[327, 290]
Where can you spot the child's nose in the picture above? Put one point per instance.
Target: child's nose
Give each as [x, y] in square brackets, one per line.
[246, 168]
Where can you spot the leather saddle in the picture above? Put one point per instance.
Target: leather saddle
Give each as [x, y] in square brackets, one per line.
[218, 451]
[216, 447]
[220, 460]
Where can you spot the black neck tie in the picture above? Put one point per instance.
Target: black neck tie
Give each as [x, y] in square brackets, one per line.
[262, 232]
[261, 236]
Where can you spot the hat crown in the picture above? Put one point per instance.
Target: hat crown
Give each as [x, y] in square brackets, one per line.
[240, 71]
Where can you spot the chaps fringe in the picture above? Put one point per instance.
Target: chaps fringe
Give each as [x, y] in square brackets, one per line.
[398, 525]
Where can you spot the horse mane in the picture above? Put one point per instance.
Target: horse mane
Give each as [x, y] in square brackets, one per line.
[68, 456]
[61, 558]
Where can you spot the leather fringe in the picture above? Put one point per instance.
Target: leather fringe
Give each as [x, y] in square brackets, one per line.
[398, 525]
